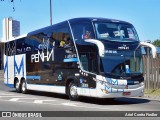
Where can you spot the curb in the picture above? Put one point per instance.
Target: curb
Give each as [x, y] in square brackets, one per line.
[153, 98]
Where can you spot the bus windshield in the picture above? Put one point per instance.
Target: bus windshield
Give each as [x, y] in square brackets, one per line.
[115, 31]
[122, 63]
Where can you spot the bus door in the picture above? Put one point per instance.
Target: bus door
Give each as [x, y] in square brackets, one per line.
[89, 63]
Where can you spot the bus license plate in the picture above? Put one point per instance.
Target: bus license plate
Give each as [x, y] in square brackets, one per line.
[126, 93]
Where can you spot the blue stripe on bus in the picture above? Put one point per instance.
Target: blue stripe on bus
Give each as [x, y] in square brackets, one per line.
[45, 85]
[71, 60]
[33, 77]
[6, 67]
[10, 85]
[130, 82]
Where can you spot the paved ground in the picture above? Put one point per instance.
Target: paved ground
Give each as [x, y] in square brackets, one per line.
[156, 98]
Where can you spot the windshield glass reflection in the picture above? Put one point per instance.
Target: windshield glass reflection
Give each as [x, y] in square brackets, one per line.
[122, 63]
[115, 31]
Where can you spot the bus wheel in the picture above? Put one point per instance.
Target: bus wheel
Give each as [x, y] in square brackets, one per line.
[72, 91]
[17, 86]
[24, 87]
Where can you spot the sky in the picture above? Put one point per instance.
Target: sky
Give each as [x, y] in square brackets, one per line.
[35, 14]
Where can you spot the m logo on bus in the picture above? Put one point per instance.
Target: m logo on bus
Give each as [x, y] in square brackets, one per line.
[21, 67]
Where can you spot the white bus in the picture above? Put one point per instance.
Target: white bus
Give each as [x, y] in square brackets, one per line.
[94, 57]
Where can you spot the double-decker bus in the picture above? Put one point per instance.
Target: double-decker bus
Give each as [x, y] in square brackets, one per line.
[95, 57]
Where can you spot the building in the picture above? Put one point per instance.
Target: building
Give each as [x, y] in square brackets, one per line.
[10, 30]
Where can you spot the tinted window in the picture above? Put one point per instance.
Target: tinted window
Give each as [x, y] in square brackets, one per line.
[10, 48]
[115, 31]
[82, 31]
[61, 34]
[39, 41]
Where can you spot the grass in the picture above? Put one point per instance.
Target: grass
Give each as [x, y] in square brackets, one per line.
[152, 92]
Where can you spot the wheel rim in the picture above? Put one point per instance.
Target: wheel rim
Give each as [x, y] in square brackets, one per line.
[73, 90]
[23, 86]
[17, 85]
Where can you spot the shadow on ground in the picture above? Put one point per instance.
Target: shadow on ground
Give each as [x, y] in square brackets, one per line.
[91, 100]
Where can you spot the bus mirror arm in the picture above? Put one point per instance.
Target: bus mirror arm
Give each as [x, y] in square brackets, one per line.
[146, 44]
[99, 45]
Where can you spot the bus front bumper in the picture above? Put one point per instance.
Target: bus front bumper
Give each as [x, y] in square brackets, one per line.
[116, 93]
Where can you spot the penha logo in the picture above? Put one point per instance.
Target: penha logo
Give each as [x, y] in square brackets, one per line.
[124, 47]
[45, 52]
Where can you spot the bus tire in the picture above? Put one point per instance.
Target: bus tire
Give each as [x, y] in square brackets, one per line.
[17, 86]
[24, 87]
[72, 91]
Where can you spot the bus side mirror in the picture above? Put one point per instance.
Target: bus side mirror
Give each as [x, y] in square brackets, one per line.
[148, 44]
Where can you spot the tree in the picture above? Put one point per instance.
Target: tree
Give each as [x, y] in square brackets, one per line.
[156, 43]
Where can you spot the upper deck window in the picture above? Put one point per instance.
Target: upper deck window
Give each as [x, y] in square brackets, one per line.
[82, 31]
[115, 31]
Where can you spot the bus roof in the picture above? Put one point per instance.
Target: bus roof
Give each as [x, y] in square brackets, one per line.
[13, 38]
[96, 19]
[73, 20]
[81, 19]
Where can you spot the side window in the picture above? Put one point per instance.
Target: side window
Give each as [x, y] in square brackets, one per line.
[61, 34]
[82, 31]
[10, 48]
[20, 46]
[89, 61]
[40, 41]
[28, 45]
[15, 47]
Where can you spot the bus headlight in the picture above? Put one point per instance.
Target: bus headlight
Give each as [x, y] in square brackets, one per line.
[105, 91]
[102, 84]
